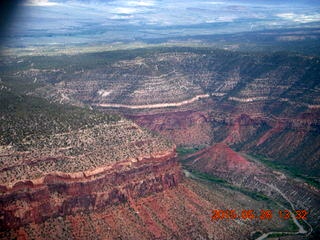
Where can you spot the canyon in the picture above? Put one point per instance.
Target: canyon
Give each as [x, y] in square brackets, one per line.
[104, 178]
[144, 144]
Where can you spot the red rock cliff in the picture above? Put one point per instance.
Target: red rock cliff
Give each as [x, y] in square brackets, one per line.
[64, 194]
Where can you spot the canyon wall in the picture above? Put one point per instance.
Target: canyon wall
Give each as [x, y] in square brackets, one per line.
[32, 202]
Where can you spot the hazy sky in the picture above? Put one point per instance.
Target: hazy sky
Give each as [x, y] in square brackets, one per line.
[39, 22]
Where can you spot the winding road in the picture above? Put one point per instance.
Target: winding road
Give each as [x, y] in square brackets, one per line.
[300, 227]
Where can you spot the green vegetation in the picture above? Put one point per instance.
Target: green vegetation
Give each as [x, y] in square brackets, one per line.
[288, 169]
[256, 235]
[292, 227]
[274, 235]
[183, 151]
[77, 62]
[22, 116]
[210, 178]
[224, 183]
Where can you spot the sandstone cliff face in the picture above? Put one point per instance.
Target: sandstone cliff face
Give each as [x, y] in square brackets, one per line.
[180, 212]
[74, 163]
[145, 198]
[124, 181]
[291, 140]
[184, 128]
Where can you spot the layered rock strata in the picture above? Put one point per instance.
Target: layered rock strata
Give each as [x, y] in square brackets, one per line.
[82, 170]
[70, 193]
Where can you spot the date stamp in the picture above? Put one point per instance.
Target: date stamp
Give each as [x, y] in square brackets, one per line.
[263, 214]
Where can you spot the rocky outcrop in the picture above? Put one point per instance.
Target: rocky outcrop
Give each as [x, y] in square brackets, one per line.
[182, 127]
[291, 140]
[180, 212]
[61, 195]
[220, 158]
[74, 161]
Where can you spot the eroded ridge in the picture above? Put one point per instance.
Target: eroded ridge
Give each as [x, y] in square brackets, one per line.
[88, 168]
